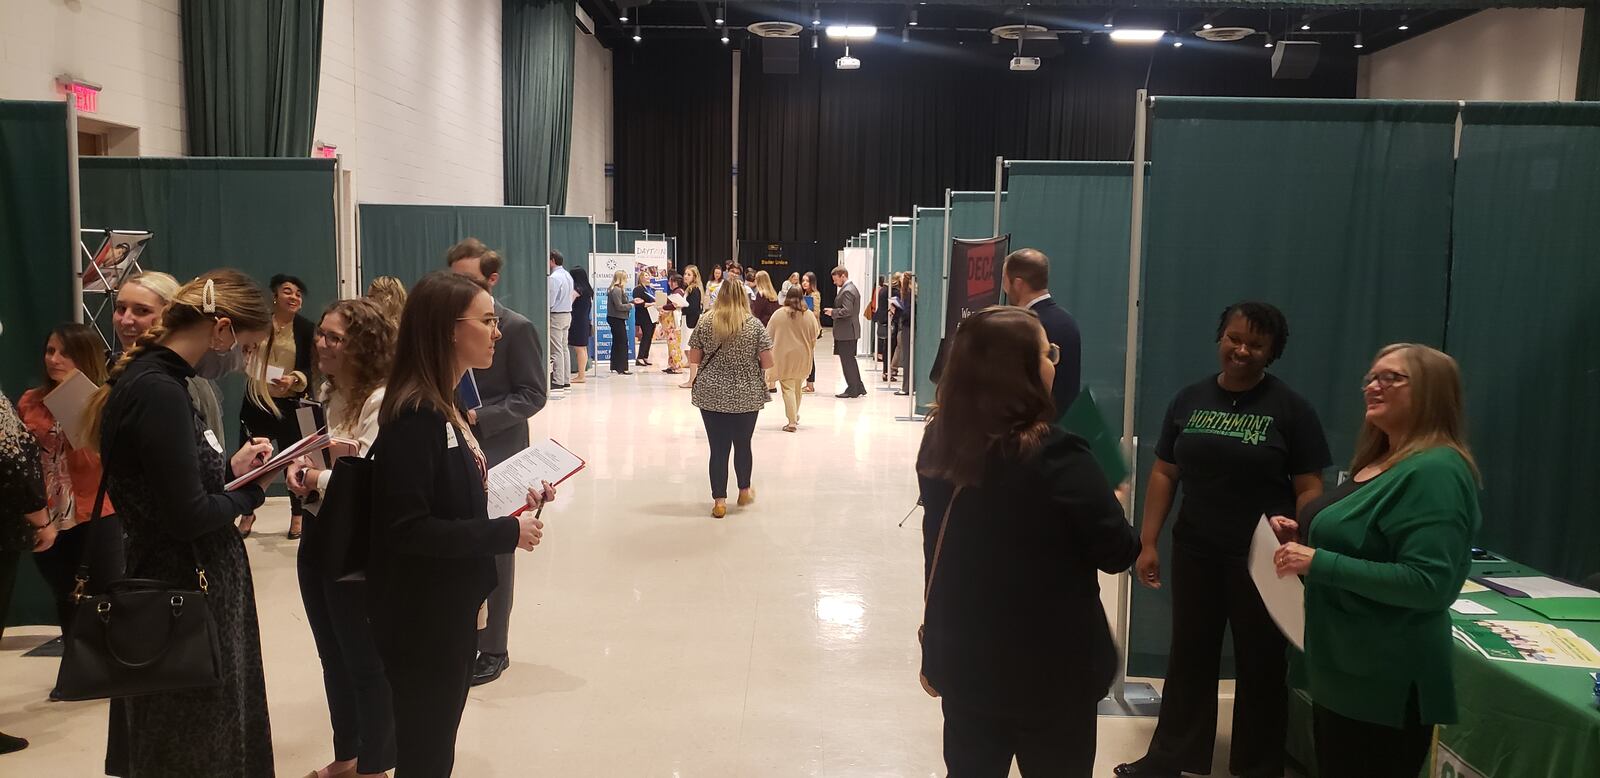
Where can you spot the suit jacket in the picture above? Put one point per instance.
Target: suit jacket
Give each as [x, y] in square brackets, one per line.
[1014, 624]
[433, 543]
[846, 309]
[1062, 330]
[512, 389]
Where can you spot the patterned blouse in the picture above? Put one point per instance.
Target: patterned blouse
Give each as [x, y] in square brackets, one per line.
[21, 482]
[731, 379]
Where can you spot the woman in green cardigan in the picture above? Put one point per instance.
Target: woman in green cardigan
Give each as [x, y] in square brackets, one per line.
[1385, 556]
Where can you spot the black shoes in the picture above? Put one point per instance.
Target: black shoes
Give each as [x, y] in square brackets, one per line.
[489, 668]
[849, 395]
[1136, 770]
[899, 393]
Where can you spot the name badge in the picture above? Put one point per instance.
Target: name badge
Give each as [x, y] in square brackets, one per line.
[450, 439]
[211, 438]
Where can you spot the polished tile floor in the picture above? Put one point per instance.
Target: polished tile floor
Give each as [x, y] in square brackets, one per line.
[649, 639]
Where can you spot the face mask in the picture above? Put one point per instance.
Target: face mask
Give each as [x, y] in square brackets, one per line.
[231, 350]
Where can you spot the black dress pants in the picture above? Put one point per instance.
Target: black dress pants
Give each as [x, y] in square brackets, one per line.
[647, 334]
[359, 704]
[58, 565]
[1348, 748]
[621, 340]
[429, 665]
[982, 745]
[1209, 593]
[730, 431]
[846, 351]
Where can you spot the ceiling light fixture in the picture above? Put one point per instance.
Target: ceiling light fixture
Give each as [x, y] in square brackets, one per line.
[1111, 20]
[624, 16]
[816, 16]
[1130, 35]
[1206, 26]
[1268, 44]
[1404, 23]
[852, 32]
[1359, 43]
[636, 36]
[1177, 44]
[724, 37]
[1305, 26]
[913, 21]
[722, 15]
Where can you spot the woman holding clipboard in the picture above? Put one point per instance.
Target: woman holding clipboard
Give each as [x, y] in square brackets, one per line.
[433, 543]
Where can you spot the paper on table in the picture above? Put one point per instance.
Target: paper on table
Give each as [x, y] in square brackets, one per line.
[67, 402]
[1470, 586]
[1467, 607]
[510, 480]
[283, 458]
[1539, 586]
[1285, 597]
[274, 373]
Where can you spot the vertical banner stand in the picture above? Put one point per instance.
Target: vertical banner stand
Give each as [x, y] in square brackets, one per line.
[1132, 699]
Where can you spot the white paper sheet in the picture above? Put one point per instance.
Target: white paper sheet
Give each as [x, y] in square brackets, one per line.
[67, 402]
[274, 373]
[1540, 587]
[510, 480]
[678, 300]
[1467, 607]
[1285, 598]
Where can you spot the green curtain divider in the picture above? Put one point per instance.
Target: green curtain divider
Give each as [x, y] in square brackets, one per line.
[1078, 214]
[1338, 212]
[536, 55]
[573, 236]
[36, 248]
[928, 265]
[972, 214]
[1523, 293]
[260, 216]
[251, 70]
[627, 238]
[410, 241]
[900, 247]
[605, 238]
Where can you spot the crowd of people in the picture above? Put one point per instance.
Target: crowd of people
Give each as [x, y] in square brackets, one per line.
[1019, 652]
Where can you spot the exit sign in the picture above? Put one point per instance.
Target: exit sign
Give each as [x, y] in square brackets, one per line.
[84, 94]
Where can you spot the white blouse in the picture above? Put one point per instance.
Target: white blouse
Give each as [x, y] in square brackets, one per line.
[363, 428]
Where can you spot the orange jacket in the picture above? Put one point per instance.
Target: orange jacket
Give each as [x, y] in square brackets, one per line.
[82, 467]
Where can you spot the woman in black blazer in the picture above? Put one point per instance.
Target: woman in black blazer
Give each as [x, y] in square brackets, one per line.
[433, 543]
[1019, 518]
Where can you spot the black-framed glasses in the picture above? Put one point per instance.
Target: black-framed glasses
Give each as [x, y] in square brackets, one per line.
[330, 338]
[1387, 379]
[491, 321]
[1053, 354]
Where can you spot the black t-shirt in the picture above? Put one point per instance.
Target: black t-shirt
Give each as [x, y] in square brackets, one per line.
[1237, 454]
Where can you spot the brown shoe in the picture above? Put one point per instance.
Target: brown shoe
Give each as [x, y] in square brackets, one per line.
[746, 496]
[719, 510]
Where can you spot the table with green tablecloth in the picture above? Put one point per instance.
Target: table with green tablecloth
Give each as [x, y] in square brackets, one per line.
[1518, 719]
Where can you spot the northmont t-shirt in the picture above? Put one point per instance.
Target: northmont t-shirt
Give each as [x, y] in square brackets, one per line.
[1237, 453]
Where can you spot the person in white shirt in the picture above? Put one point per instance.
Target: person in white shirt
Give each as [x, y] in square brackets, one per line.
[355, 344]
[562, 293]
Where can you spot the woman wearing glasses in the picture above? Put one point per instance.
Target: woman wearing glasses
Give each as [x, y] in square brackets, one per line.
[1243, 445]
[1019, 519]
[1385, 554]
[433, 543]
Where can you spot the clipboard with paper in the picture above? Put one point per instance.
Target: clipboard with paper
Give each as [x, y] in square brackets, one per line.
[544, 461]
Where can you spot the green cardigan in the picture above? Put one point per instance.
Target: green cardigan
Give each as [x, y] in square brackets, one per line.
[1390, 560]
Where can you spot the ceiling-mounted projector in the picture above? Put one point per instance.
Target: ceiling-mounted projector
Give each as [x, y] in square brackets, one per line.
[1024, 63]
[847, 62]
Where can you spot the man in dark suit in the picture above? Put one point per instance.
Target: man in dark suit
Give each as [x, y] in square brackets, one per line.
[1027, 285]
[512, 390]
[846, 331]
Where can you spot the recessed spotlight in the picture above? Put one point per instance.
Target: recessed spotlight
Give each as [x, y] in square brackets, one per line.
[636, 36]
[1177, 44]
[913, 20]
[1305, 27]
[724, 37]
[1206, 26]
[1359, 43]
[624, 16]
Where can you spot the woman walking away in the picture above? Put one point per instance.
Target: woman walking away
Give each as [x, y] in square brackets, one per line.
[733, 354]
[433, 543]
[166, 473]
[766, 302]
[669, 329]
[694, 293]
[793, 331]
[617, 307]
[355, 347]
[1019, 520]
[582, 324]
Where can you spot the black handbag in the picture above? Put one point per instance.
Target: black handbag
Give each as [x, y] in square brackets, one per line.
[139, 636]
[343, 525]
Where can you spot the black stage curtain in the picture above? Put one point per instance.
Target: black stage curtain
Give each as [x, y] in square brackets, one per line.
[674, 146]
[827, 153]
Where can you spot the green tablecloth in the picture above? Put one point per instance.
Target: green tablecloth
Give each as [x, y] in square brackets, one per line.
[1518, 720]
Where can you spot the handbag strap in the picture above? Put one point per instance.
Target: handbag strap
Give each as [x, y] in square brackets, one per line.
[81, 577]
[938, 550]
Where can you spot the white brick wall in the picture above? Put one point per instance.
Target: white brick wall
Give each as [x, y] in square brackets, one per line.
[410, 94]
[1497, 54]
[132, 48]
[591, 130]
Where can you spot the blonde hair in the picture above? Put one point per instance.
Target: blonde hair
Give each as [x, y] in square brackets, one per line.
[1437, 415]
[619, 280]
[389, 295]
[764, 286]
[219, 294]
[729, 313]
[160, 284]
[691, 278]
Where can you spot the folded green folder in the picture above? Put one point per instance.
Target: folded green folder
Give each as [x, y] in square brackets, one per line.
[1084, 419]
[1563, 608]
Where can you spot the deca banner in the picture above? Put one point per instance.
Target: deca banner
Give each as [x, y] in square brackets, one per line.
[975, 268]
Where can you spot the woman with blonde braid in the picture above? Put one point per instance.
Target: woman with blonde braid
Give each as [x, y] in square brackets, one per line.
[170, 492]
[390, 296]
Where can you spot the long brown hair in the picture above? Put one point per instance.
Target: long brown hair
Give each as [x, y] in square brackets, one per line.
[215, 295]
[369, 353]
[795, 301]
[424, 373]
[1437, 411]
[80, 343]
[691, 279]
[991, 397]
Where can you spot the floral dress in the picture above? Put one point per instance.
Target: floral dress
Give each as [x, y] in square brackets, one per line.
[669, 329]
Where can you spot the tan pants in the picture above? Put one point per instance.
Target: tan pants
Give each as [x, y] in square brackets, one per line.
[790, 389]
